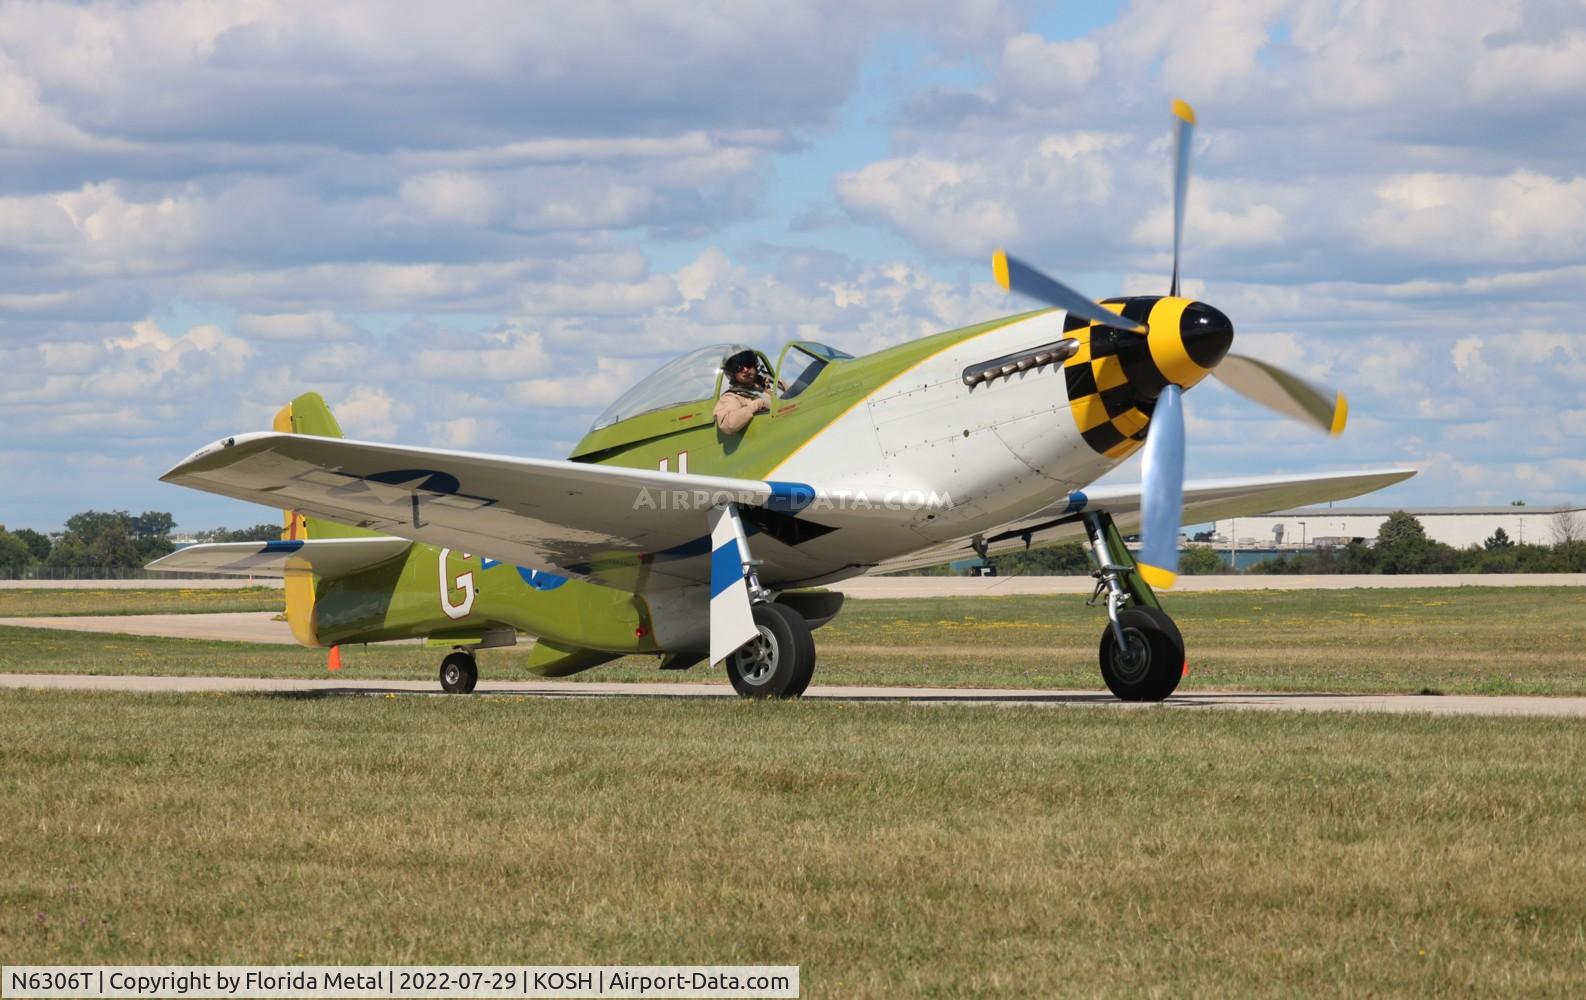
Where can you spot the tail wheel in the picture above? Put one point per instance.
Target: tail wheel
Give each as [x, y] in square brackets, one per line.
[779, 661]
[459, 673]
[1150, 667]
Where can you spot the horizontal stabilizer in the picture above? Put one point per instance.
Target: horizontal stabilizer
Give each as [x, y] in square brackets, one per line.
[329, 557]
[548, 659]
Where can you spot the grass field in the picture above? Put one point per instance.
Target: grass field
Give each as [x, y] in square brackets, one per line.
[64, 601]
[1450, 640]
[888, 849]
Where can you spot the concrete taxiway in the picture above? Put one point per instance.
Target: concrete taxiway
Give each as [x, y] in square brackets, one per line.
[231, 626]
[1269, 702]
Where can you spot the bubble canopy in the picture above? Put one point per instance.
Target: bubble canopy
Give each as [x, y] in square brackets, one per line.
[696, 376]
[681, 380]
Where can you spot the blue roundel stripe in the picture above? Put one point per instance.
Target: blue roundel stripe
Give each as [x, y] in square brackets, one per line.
[541, 580]
[536, 578]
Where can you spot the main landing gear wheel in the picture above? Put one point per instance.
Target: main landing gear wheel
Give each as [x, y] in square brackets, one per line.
[459, 673]
[780, 661]
[1150, 668]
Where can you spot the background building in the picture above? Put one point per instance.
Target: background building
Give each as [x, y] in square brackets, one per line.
[1461, 527]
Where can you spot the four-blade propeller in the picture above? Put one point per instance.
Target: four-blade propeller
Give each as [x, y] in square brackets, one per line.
[1197, 350]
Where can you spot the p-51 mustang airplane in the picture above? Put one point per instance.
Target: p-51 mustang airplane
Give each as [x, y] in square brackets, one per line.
[661, 534]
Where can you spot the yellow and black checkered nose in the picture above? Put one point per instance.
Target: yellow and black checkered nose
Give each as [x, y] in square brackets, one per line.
[1116, 376]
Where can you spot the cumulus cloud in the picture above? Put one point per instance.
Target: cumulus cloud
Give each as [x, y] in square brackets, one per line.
[463, 433]
[1555, 68]
[510, 354]
[947, 205]
[311, 326]
[1036, 71]
[583, 391]
[1523, 216]
[369, 412]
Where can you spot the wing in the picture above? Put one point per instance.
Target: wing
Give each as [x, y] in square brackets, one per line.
[1204, 500]
[328, 557]
[1215, 499]
[631, 528]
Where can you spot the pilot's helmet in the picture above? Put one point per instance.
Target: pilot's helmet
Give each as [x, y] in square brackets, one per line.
[741, 360]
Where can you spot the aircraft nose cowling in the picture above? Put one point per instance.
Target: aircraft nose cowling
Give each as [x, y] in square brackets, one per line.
[1206, 333]
[1186, 341]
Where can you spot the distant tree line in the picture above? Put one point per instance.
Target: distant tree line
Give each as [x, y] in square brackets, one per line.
[93, 539]
[1073, 559]
[108, 541]
[1401, 546]
[257, 533]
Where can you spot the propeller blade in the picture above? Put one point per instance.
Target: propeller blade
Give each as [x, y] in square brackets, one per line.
[1284, 392]
[1162, 493]
[1183, 132]
[1015, 275]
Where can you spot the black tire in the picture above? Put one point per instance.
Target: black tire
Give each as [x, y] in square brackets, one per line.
[778, 663]
[459, 673]
[801, 682]
[1158, 664]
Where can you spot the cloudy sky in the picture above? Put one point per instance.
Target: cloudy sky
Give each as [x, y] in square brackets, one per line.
[471, 224]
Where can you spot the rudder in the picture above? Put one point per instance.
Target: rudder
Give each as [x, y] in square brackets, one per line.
[308, 414]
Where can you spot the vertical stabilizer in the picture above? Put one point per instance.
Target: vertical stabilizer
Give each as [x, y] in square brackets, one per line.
[308, 414]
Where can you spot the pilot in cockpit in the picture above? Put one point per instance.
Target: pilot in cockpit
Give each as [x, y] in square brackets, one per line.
[746, 393]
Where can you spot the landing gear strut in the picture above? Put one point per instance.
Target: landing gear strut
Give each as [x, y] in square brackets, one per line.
[1142, 652]
[779, 660]
[459, 672]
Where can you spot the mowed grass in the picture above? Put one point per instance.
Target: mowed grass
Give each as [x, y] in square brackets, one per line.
[887, 849]
[1485, 640]
[51, 602]
[1457, 640]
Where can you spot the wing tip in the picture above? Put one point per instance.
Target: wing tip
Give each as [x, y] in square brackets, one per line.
[176, 472]
[1183, 111]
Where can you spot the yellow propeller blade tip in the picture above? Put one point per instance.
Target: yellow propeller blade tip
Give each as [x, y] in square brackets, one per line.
[1182, 110]
[999, 269]
[1340, 416]
[1156, 576]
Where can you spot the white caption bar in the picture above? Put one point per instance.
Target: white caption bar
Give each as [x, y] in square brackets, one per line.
[192, 981]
